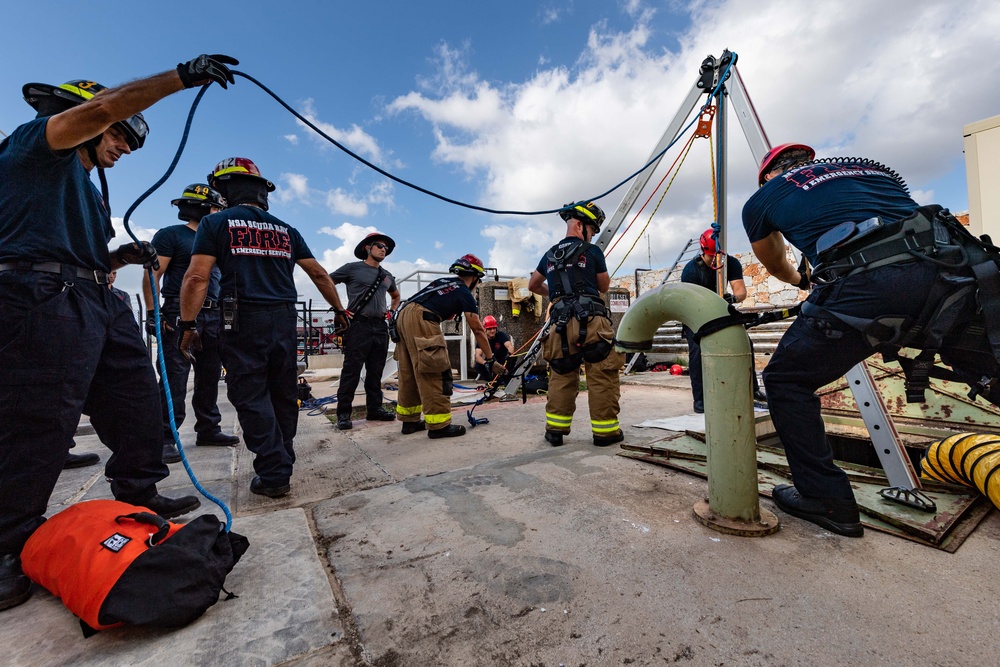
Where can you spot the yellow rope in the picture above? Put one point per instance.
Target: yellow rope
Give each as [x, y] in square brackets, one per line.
[687, 150]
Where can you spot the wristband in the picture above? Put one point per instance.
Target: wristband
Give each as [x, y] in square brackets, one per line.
[187, 325]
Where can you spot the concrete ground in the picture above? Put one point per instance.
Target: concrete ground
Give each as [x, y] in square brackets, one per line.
[497, 549]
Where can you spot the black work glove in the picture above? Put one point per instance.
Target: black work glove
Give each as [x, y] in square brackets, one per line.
[729, 298]
[206, 69]
[189, 341]
[806, 272]
[142, 252]
[151, 323]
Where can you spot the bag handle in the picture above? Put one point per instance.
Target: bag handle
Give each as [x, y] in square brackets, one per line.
[162, 525]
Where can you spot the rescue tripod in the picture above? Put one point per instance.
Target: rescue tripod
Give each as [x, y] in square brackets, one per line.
[720, 80]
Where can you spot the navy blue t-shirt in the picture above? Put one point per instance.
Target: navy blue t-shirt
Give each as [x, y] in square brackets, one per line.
[806, 202]
[499, 346]
[697, 272]
[590, 263]
[256, 252]
[175, 242]
[447, 297]
[50, 210]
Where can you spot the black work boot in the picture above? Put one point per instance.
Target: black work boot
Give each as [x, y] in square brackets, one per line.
[258, 487]
[413, 427]
[380, 415]
[344, 423]
[219, 439]
[15, 588]
[81, 460]
[838, 515]
[449, 431]
[170, 453]
[607, 440]
[554, 438]
[169, 508]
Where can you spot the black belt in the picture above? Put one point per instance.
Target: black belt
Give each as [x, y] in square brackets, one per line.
[368, 318]
[93, 275]
[209, 304]
[263, 307]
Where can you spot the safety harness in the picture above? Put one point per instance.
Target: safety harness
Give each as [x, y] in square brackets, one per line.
[574, 303]
[964, 298]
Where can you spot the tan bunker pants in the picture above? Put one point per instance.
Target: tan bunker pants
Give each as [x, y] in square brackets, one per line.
[604, 390]
[425, 382]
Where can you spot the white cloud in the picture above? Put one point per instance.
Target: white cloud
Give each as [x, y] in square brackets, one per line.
[293, 139]
[295, 187]
[438, 245]
[354, 138]
[894, 81]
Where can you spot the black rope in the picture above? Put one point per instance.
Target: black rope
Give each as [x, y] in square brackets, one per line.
[456, 202]
[170, 169]
[746, 320]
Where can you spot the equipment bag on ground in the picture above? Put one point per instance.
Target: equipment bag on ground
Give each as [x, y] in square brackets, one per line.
[114, 564]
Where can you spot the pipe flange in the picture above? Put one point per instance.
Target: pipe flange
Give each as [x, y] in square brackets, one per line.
[768, 523]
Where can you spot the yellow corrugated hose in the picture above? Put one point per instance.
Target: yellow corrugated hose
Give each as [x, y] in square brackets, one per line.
[972, 459]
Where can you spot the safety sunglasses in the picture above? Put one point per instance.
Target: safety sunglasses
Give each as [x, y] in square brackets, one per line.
[381, 245]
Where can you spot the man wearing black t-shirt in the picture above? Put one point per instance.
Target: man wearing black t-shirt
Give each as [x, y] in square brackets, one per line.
[257, 254]
[703, 270]
[501, 347]
[68, 346]
[425, 380]
[799, 200]
[173, 246]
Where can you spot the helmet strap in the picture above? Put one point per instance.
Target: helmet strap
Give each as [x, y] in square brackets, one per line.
[91, 148]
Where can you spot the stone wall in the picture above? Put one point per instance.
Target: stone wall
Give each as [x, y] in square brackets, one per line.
[762, 289]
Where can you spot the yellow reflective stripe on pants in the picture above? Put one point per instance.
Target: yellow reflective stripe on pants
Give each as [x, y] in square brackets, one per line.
[433, 420]
[405, 412]
[605, 426]
[558, 421]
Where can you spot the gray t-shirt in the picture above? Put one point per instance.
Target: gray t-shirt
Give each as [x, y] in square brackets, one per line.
[358, 277]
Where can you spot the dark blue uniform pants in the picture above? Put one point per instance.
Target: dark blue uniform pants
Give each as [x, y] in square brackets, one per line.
[68, 349]
[694, 368]
[366, 344]
[814, 352]
[260, 361]
[207, 372]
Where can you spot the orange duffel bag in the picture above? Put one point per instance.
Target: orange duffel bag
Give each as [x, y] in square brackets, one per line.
[114, 564]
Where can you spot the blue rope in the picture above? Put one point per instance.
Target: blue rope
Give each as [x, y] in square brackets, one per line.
[156, 310]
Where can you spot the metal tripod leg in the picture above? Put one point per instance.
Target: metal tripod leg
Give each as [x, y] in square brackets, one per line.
[904, 484]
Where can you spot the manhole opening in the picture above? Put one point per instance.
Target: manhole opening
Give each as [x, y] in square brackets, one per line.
[861, 451]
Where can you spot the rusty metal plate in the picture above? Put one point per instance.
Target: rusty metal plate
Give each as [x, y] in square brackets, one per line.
[947, 405]
[959, 508]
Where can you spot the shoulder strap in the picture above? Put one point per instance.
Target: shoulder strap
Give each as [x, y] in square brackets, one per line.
[368, 293]
[564, 261]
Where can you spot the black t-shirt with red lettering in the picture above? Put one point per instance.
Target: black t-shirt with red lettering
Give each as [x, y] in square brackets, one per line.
[255, 251]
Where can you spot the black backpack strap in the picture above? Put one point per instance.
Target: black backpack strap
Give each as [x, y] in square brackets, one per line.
[368, 294]
[161, 524]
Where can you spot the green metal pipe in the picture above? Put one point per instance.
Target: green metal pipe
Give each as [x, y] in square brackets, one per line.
[726, 368]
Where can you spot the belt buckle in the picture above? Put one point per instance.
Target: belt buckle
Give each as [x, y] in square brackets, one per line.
[97, 277]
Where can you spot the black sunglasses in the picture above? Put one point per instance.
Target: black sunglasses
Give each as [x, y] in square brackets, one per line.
[381, 245]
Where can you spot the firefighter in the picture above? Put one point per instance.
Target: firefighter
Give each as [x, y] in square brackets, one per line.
[501, 347]
[703, 271]
[573, 274]
[173, 246]
[69, 346]
[425, 381]
[881, 289]
[257, 254]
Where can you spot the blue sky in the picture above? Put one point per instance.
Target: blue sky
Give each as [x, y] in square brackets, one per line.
[520, 105]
